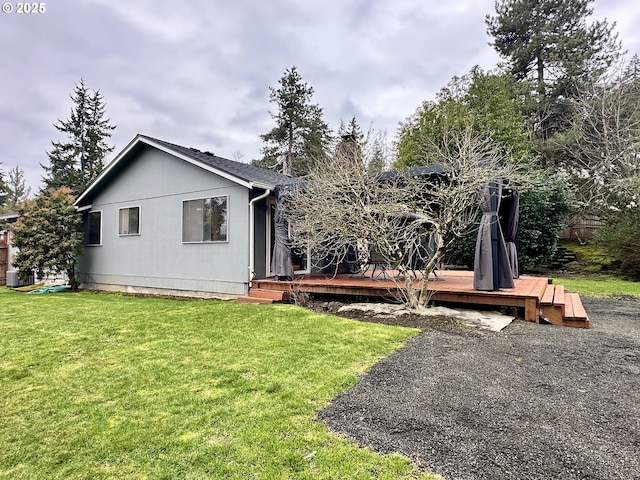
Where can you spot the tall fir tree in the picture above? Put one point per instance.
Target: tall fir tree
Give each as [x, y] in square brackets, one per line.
[350, 142]
[300, 136]
[77, 162]
[550, 43]
[378, 161]
[17, 188]
[631, 72]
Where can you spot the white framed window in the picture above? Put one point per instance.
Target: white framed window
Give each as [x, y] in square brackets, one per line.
[94, 228]
[129, 221]
[205, 220]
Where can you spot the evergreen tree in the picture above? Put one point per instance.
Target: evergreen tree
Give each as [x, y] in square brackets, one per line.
[631, 74]
[350, 142]
[301, 137]
[77, 162]
[550, 43]
[99, 128]
[351, 129]
[378, 161]
[17, 188]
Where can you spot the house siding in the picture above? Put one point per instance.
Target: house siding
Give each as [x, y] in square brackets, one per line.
[157, 259]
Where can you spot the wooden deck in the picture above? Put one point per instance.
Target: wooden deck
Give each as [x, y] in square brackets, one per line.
[534, 296]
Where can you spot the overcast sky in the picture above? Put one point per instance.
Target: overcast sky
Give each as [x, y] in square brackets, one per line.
[197, 72]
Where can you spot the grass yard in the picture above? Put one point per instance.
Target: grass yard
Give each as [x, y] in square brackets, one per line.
[598, 285]
[109, 386]
[593, 275]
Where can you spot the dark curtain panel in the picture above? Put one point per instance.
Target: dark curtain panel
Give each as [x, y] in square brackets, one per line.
[281, 259]
[509, 215]
[492, 270]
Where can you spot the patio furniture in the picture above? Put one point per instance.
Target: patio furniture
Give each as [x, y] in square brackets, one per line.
[356, 261]
[378, 262]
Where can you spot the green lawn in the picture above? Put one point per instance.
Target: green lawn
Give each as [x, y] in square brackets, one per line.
[598, 285]
[110, 386]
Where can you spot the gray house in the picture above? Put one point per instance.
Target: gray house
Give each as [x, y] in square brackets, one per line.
[162, 218]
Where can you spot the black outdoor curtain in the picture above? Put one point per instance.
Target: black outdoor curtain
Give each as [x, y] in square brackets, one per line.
[281, 259]
[509, 216]
[492, 270]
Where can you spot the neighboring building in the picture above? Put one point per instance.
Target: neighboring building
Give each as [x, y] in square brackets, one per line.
[162, 218]
[7, 251]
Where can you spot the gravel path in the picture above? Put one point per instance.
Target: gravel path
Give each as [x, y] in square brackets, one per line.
[530, 402]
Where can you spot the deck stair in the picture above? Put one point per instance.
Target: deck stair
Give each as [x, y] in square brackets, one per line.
[263, 295]
[563, 308]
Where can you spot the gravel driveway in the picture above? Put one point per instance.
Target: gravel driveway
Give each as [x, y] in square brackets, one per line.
[531, 402]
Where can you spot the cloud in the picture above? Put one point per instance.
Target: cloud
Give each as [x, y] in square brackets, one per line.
[197, 73]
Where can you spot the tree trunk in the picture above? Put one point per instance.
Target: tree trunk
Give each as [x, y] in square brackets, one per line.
[424, 292]
[540, 80]
[412, 295]
[73, 282]
[287, 167]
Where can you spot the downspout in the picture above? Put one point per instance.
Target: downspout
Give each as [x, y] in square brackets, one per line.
[252, 253]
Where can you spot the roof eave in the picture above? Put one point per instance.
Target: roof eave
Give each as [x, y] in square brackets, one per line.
[263, 186]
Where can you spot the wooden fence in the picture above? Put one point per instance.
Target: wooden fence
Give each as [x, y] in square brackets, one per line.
[4, 262]
[581, 228]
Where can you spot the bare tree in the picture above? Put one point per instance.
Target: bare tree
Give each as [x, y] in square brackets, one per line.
[603, 151]
[237, 156]
[407, 217]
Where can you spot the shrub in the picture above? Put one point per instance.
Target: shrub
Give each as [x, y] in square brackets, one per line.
[620, 237]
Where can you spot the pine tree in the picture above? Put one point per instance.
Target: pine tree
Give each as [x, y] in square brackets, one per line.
[350, 142]
[77, 162]
[300, 136]
[550, 43]
[17, 188]
[99, 128]
[378, 161]
[631, 72]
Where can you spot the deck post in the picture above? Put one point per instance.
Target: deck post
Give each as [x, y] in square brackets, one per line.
[531, 310]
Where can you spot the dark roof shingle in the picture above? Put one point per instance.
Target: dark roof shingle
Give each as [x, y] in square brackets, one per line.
[242, 171]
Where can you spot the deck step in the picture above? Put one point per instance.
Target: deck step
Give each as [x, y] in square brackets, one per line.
[547, 298]
[578, 314]
[559, 299]
[277, 295]
[264, 295]
[563, 308]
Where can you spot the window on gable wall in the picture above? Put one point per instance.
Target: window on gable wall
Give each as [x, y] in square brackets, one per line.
[205, 220]
[129, 221]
